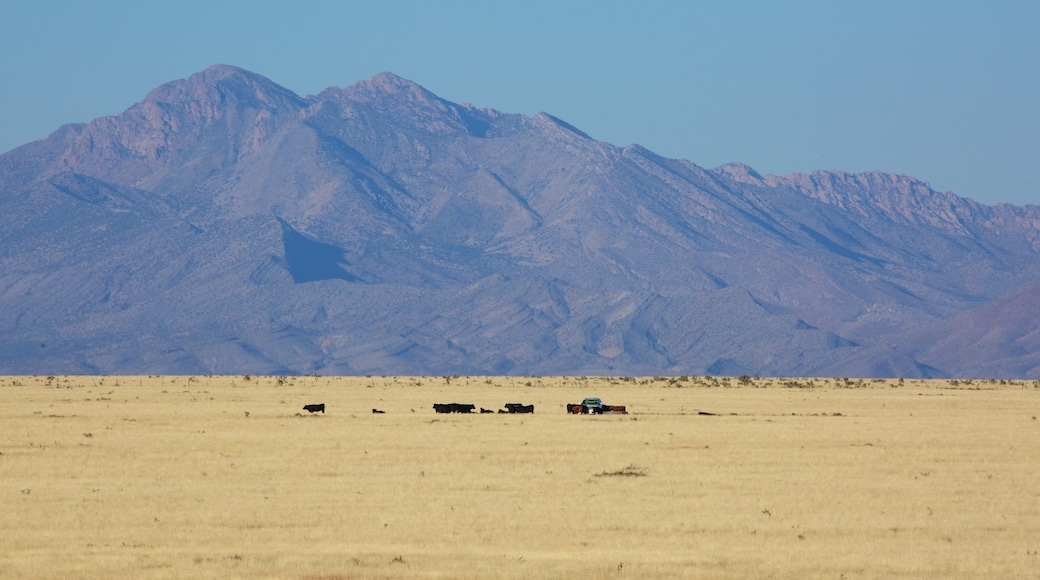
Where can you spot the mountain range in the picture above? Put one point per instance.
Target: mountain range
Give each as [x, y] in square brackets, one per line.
[226, 225]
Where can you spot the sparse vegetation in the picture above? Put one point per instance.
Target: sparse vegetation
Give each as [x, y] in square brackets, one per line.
[244, 488]
[628, 471]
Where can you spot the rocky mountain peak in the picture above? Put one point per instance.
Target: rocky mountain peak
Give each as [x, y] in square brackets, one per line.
[389, 87]
[739, 172]
[224, 106]
[224, 85]
[391, 83]
[389, 98]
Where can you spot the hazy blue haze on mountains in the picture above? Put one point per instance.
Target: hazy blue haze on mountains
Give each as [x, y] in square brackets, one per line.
[227, 225]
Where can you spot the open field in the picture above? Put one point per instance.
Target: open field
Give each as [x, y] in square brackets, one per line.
[162, 477]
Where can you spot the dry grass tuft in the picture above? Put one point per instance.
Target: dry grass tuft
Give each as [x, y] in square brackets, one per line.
[629, 471]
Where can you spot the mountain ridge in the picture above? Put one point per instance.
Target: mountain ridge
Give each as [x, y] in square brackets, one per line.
[225, 224]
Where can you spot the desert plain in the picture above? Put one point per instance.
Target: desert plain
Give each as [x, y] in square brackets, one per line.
[714, 477]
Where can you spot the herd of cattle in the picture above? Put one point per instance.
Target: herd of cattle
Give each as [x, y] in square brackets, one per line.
[590, 406]
[579, 409]
[466, 408]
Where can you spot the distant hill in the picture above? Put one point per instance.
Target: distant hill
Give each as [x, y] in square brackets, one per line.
[227, 225]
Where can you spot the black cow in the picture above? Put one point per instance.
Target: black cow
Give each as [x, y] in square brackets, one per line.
[519, 408]
[453, 408]
[315, 408]
[484, 411]
[377, 411]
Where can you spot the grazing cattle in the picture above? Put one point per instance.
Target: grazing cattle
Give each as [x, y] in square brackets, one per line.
[585, 408]
[484, 411]
[377, 411]
[453, 408]
[315, 408]
[519, 408]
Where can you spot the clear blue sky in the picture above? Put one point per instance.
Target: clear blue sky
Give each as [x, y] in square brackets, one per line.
[948, 92]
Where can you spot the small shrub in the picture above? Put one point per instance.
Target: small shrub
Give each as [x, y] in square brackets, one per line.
[629, 471]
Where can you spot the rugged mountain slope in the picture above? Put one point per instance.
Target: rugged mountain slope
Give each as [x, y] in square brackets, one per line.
[999, 339]
[227, 225]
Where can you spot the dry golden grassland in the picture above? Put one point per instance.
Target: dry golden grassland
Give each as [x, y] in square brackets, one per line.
[223, 477]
